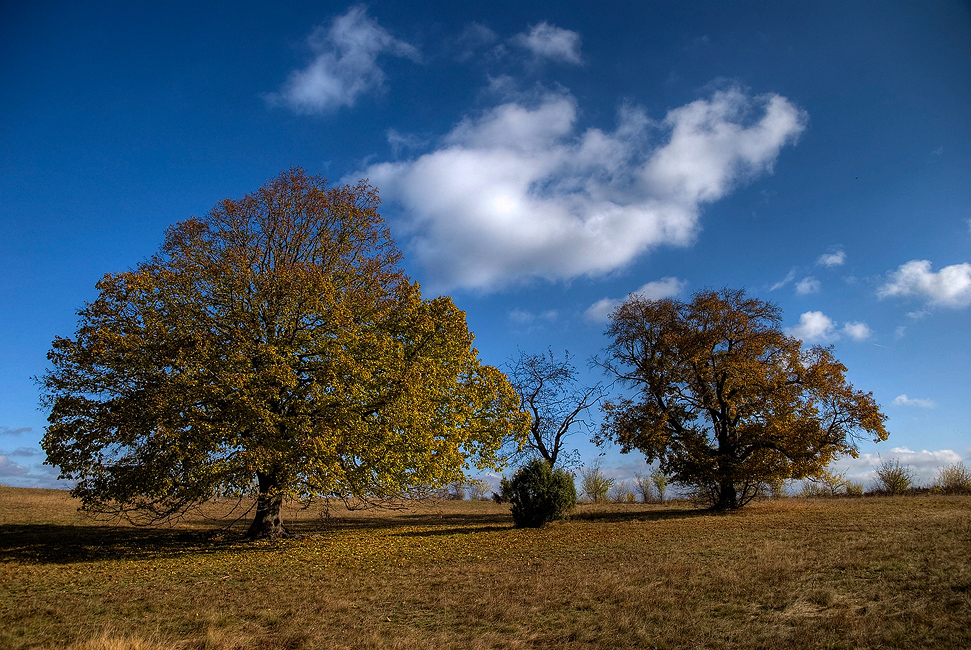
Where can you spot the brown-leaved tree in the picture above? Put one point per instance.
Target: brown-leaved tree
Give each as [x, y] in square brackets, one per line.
[725, 400]
[273, 348]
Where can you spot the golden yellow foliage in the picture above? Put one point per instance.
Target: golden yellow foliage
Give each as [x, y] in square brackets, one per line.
[273, 345]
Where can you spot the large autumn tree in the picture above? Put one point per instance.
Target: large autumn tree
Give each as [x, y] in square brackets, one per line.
[272, 348]
[724, 399]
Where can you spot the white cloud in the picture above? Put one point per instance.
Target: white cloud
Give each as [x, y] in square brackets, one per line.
[807, 286]
[7, 431]
[949, 287]
[903, 400]
[344, 66]
[814, 327]
[836, 258]
[599, 312]
[817, 327]
[551, 42]
[519, 193]
[924, 463]
[856, 331]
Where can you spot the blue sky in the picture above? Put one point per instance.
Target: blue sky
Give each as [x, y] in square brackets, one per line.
[538, 162]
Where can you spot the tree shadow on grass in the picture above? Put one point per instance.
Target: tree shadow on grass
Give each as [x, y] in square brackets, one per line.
[67, 544]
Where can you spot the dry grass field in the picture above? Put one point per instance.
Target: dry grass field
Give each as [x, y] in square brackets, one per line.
[791, 573]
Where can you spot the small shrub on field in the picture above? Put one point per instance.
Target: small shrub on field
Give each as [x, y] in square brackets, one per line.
[892, 478]
[539, 494]
[811, 490]
[953, 479]
[476, 489]
[644, 488]
[594, 484]
[775, 488]
[622, 493]
[660, 482]
[854, 489]
[826, 484]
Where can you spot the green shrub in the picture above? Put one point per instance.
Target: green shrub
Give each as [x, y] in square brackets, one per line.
[953, 479]
[539, 494]
[594, 484]
[660, 481]
[892, 478]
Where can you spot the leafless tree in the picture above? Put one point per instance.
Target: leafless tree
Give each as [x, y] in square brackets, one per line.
[550, 391]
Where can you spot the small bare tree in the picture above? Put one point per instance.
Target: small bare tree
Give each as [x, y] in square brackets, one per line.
[550, 391]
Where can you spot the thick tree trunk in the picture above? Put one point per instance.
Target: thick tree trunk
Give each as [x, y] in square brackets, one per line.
[268, 522]
[727, 496]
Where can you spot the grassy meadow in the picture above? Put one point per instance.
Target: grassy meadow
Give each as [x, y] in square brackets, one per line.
[888, 572]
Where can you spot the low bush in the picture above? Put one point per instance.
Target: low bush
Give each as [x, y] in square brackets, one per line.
[892, 478]
[660, 481]
[622, 493]
[953, 479]
[539, 494]
[854, 489]
[594, 484]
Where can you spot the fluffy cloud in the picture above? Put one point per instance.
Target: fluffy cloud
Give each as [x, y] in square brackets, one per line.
[519, 193]
[949, 287]
[903, 400]
[807, 286]
[344, 66]
[817, 327]
[600, 311]
[836, 258]
[856, 331]
[814, 327]
[551, 42]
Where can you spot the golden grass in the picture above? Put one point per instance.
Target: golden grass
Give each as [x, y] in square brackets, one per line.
[792, 573]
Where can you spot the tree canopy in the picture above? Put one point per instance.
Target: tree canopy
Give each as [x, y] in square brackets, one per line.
[724, 399]
[273, 347]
